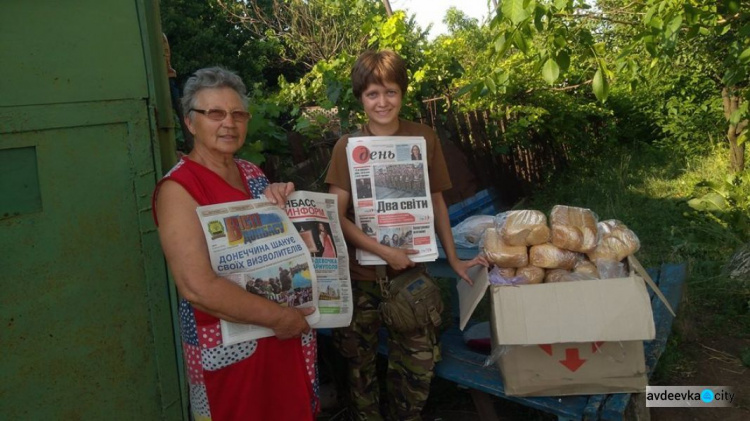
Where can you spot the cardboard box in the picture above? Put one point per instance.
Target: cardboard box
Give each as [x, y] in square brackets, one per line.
[570, 338]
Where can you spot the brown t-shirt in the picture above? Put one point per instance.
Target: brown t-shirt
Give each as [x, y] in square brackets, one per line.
[338, 175]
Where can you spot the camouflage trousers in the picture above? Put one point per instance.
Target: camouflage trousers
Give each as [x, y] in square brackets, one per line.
[411, 359]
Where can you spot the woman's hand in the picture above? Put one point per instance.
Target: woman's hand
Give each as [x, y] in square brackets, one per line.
[277, 193]
[462, 266]
[291, 322]
[398, 259]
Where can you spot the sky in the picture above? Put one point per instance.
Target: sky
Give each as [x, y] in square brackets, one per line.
[433, 11]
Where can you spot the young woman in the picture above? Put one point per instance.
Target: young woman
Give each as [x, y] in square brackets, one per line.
[379, 80]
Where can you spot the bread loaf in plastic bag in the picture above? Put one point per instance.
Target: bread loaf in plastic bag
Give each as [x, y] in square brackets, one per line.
[585, 266]
[556, 275]
[550, 257]
[617, 242]
[573, 228]
[501, 254]
[524, 228]
[532, 274]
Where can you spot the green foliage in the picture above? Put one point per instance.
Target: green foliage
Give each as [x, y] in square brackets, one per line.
[729, 201]
[264, 134]
[328, 83]
[707, 33]
[745, 357]
[672, 360]
[307, 30]
[678, 111]
[530, 68]
[548, 35]
[201, 34]
[640, 40]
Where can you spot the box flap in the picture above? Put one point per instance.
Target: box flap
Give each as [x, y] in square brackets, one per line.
[469, 296]
[581, 311]
[636, 266]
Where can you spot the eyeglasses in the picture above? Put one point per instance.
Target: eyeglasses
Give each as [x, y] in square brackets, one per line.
[220, 115]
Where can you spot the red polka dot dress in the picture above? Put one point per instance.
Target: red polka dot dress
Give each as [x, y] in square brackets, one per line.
[264, 379]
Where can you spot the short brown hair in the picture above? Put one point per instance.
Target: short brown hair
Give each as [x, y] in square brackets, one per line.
[378, 67]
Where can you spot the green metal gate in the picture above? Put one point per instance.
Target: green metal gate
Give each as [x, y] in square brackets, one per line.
[86, 326]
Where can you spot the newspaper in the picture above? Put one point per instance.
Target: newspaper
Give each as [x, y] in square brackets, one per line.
[315, 215]
[254, 244]
[391, 195]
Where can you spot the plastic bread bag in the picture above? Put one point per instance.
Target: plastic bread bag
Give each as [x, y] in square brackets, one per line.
[468, 232]
[500, 219]
[505, 276]
[574, 228]
[524, 228]
[609, 269]
[549, 256]
[497, 352]
[501, 254]
[506, 273]
[617, 241]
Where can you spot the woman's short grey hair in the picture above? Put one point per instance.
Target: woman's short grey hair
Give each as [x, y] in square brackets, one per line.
[209, 78]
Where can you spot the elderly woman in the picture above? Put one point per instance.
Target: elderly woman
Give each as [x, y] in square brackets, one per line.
[269, 378]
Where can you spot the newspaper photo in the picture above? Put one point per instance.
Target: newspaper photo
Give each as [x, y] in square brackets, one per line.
[391, 195]
[315, 216]
[254, 244]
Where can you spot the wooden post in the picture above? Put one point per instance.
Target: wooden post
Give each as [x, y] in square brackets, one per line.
[388, 10]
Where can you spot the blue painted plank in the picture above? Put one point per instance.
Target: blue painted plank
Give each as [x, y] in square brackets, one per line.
[614, 406]
[671, 283]
[593, 406]
[482, 203]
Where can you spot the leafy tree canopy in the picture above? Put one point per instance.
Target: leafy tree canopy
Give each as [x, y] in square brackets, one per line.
[639, 41]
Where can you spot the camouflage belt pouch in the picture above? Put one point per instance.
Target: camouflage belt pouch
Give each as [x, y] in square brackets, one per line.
[412, 301]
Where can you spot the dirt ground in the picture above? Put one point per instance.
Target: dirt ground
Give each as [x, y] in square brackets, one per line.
[711, 362]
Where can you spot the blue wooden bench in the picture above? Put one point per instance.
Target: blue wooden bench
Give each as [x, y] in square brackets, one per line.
[485, 202]
[465, 367]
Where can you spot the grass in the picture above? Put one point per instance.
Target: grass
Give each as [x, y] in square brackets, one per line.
[648, 190]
